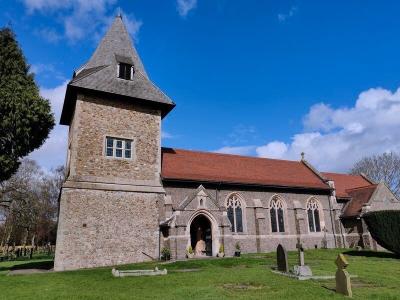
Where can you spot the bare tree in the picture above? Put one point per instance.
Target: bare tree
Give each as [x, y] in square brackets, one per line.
[384, 167]
[20, 196]
[50, 190]
[29, 202]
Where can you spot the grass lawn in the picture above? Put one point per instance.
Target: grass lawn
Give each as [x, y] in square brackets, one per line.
[248, 277]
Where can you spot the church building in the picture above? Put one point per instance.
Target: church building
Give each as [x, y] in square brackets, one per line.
[126, 198]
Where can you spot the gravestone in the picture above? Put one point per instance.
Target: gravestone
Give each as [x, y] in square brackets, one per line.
[281, 258]
[343, 284]
[324, 241]
[302, 270]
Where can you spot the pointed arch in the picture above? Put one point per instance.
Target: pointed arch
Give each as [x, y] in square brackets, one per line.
[315, 215]
[214, 229]
[277, 210]
[236, 209]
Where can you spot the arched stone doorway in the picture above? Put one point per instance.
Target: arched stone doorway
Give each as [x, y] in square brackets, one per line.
[201, 236]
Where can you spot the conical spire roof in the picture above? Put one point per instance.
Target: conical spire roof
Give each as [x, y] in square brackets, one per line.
[100, 74]
[116, 43]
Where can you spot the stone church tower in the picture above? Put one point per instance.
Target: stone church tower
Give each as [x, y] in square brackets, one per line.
[109, 204]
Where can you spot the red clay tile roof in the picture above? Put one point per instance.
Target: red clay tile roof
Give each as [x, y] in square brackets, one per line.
[360, 196]
[345, 182]
[214, 167]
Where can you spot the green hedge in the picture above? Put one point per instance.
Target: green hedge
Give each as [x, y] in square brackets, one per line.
[384, 227]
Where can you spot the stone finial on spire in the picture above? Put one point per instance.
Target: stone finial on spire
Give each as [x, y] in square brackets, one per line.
[302, 155]
[119, 13]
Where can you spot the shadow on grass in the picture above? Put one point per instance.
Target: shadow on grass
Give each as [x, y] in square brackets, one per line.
[329, 288]
[42, 265]
[372, 254]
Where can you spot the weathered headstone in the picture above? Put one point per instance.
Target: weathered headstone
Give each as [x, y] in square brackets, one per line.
[302, 270]
[343, 284]
[281, 258]
[324, 240]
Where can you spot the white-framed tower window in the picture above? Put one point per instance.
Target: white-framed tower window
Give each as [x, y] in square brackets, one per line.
[118, 148]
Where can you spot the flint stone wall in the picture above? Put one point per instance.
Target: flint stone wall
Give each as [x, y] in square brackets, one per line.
[96, 118]
[106, 228]
[267, 240]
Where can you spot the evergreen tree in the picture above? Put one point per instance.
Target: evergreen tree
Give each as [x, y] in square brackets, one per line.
[25, 118]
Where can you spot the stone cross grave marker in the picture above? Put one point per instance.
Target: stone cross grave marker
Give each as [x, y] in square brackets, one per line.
[281, 258]
[302, 270]
[343, 284]
[301, 254]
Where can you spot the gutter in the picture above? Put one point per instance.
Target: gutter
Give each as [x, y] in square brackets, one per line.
[72, 93]
[245, 184]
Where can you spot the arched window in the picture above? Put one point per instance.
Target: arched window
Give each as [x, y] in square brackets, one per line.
[313, 215]
[276, 209]
[235, 212]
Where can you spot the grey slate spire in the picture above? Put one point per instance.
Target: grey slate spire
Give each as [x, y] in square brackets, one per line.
[116, 42]
[99, 74]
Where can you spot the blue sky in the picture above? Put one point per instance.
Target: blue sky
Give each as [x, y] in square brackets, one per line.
[264, 78]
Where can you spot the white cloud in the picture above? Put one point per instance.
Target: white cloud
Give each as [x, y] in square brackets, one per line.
[167, 135]
[319, 117]
[185, 6]
[77, 5]
[336, 138]
[239, 150]
[283, 17]
[47, 71]
[132, 25]
[241, 134]
[272, 150]
[33, 5]
[80, 18]
[49, 34]
[53, 151]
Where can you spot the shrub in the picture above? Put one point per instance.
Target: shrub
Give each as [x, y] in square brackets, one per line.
[190, 250]
[165, 253]
[384, 227]
[237, 246]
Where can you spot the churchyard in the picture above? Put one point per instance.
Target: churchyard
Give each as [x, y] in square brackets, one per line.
[247, 277]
